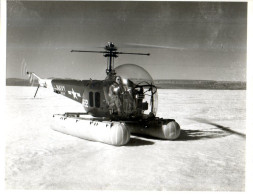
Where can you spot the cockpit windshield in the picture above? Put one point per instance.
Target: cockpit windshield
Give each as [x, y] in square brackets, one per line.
[140, 94]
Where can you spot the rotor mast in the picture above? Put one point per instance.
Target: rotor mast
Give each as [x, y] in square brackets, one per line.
[110, 53]
[110, 57]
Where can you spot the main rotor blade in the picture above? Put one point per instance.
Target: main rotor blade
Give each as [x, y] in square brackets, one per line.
[88, 51]
[146, 54]
[137, 45]
[108, 52]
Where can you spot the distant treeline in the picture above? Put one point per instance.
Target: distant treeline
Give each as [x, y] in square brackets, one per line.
[19, 82]
[163, 84]
[199, 84]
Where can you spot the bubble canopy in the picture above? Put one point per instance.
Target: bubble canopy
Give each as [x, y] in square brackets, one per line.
[140, 77]
[133, 72]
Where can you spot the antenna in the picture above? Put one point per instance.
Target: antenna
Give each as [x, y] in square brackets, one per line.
[110, 53]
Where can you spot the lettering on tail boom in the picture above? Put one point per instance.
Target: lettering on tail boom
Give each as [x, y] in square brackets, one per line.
[72, 89]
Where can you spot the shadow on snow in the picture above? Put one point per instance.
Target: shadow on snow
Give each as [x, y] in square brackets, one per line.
[185, 135]
[189, 135]
[134, 141]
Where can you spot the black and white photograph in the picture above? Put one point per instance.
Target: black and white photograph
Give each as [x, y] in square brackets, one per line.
[126, 95]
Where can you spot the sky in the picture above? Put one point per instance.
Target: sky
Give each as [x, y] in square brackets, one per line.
[209, 39]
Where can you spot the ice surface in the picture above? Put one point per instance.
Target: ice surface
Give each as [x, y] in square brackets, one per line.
[203, 158]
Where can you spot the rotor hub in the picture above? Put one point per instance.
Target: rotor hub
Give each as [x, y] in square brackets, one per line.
[110, 47]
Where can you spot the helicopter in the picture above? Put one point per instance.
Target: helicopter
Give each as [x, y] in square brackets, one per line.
[124, 103]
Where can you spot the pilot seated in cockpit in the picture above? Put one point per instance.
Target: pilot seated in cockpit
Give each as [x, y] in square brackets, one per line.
[116, 92]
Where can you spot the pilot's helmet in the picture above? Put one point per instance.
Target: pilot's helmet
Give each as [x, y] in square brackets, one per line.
[118, 79]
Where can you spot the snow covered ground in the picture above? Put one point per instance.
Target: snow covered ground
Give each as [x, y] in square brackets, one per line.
[204, 157]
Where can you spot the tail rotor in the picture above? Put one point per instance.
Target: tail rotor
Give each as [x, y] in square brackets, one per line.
[31, 76]
[23, 68]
